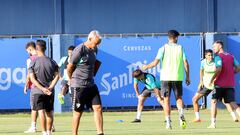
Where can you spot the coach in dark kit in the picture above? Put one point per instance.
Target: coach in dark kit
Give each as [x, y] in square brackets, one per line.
[44, 74]
[85, 92]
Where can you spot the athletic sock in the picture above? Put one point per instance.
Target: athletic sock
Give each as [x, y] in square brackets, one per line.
[197, 114]
[213, 121]
[44, 133]
[180, 111]
[233, 115]
[168, 120]
[33, 124]
[139, 115]
[49, 132]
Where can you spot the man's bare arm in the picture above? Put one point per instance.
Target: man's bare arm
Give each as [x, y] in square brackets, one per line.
[37, 84]
[186, 67]
[151, 65]
[136, 89]
[55, 80]
[70, 69]
[217, 73]
[26, 83]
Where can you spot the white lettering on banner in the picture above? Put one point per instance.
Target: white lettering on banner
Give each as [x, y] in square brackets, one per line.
[131, 95]
[5, 83]
[115, 82]
[137, 48]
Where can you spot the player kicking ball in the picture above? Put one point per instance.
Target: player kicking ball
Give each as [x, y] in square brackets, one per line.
[152, 85]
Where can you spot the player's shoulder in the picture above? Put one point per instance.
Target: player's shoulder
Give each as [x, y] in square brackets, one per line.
[203, 60]
[79, 48]
[217, 57]
[64, 58]
[52, 60]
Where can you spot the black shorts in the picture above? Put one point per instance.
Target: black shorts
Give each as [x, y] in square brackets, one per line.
[146, 92]
[85, 98]
[166, 87]
[228, 94]
[204, 91]
[41, 102]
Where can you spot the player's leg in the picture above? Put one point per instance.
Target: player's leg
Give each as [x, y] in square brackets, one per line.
[166, 92]
[160, 99]
[215, 97]
[38, 105]
[229, 99]
[177, 87]
[64, 90]
[231, 110]
[236, 109]
[76, 122]
[195, 99]
[78, 107]
[141, 99]
[49, 103]
[200, 93]
[32, 128]
[49, 121]
[98, 117]
[34, 118]
[213, 113]
[97, 109]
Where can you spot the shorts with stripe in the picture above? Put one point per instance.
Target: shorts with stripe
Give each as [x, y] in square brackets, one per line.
[84, 98]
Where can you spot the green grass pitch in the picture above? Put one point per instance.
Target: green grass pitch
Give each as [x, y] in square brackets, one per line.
[152, 124]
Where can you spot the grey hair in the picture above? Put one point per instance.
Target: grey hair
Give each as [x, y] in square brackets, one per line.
[93, 34]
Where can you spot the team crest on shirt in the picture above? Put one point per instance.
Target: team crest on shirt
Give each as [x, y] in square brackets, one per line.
[78, 105]
[219, 63]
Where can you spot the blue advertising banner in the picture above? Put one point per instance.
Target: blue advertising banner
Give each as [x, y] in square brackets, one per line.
[233, 46]
[121, 56]
[13, 72]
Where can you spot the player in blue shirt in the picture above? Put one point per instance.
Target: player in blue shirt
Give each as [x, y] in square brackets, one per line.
[152, 85]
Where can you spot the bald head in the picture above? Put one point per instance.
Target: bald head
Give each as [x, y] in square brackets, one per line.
[217, 46]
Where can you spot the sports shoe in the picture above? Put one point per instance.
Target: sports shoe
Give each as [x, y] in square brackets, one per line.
[53, 129]
[196, 120]
[236, 120]
[31, 130]
[61, 98]
[136, 121]
[183, 123]
[166, 121]
[212, 126]
[168, 126]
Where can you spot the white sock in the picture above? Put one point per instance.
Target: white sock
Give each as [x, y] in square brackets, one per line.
[236, 114]
[33, 124]
[197, 114]
[49, 133]
[213, 121]
[168, 120]
[233, 115]
[139, 115]
[180, 111]
[44, 133]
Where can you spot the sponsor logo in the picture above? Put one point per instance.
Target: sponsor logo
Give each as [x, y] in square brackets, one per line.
[8, 76]
[137, 48]
[113, 83]
[78, 105]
